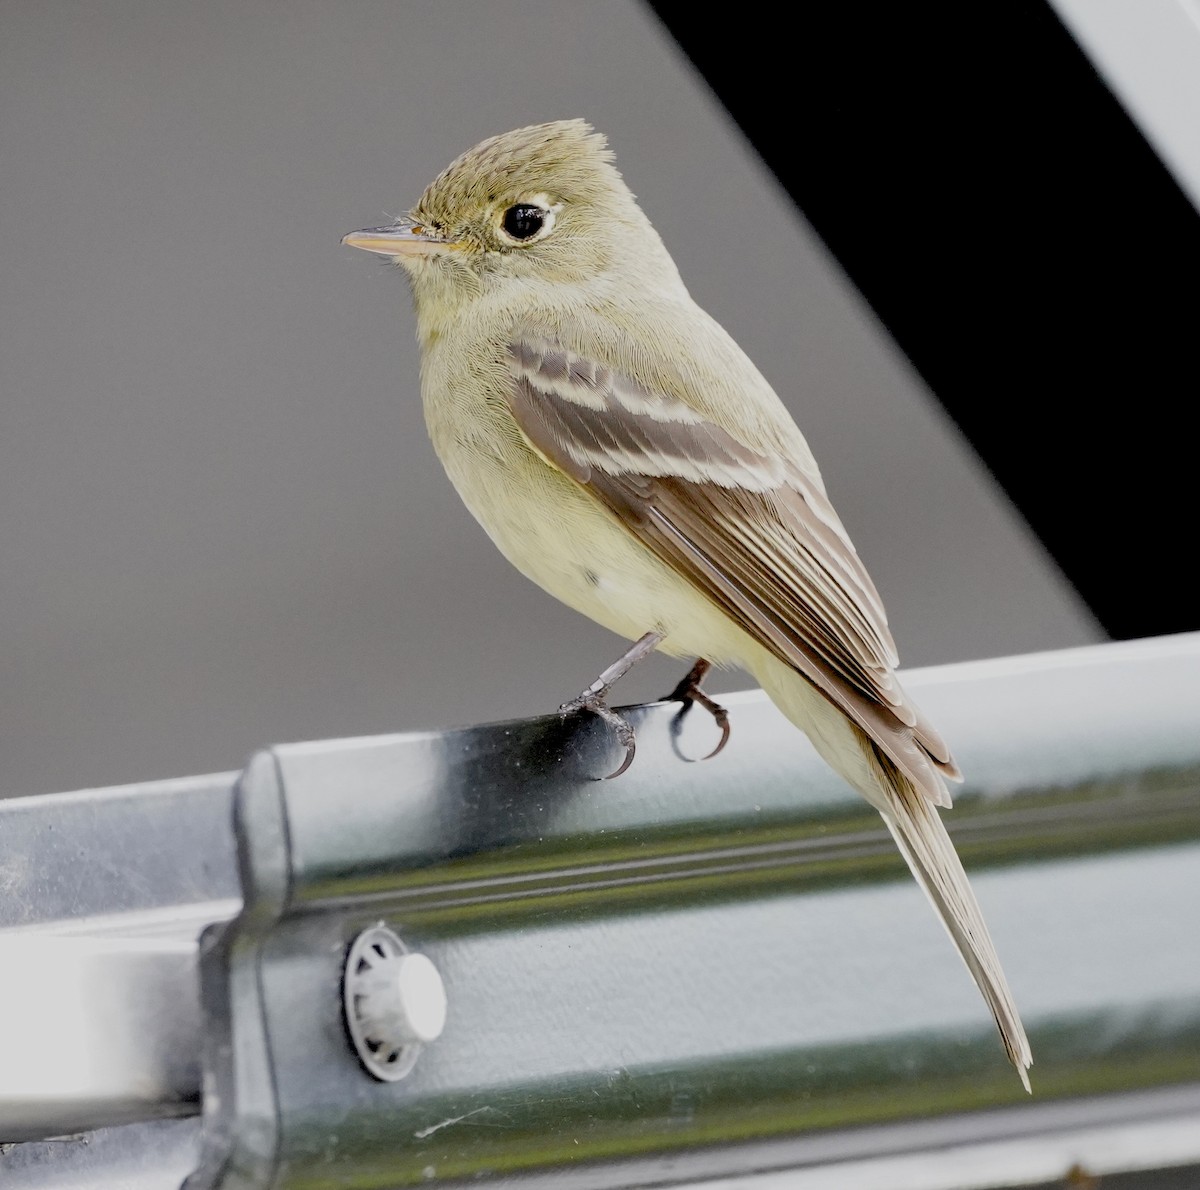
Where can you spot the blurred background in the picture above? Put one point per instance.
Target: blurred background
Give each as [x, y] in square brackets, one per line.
[221, 523]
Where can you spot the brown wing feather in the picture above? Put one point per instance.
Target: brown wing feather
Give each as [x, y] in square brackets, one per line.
[752, 532]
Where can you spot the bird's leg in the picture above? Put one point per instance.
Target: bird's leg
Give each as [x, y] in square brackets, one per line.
[687, 692]
[592, 698]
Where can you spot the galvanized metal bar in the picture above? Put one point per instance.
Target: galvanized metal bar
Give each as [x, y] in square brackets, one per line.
[97, 1031]
[95, 859]
[690, 972]
[105, 893]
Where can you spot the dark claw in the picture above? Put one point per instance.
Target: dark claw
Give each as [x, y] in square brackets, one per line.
[630, 753]
[721, 715]
[688, 692]
[624, 731]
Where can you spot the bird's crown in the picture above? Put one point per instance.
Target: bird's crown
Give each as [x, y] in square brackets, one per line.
[566, 158]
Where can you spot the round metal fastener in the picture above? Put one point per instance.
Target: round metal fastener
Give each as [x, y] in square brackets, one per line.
[395, 1002]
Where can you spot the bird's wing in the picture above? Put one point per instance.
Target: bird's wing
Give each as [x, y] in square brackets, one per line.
[752, 530]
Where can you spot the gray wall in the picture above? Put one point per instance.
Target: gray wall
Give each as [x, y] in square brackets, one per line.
[220, 522]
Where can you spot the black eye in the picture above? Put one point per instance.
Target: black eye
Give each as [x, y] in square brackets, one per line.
[524, 221]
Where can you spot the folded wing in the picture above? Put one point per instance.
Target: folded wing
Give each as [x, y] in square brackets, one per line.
[749, 527]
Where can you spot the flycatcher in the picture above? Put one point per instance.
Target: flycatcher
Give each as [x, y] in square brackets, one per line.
[627, 456]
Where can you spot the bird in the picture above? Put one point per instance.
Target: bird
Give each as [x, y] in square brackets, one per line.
[627, 456]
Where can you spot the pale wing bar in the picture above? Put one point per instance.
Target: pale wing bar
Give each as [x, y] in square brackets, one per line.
[599, 419]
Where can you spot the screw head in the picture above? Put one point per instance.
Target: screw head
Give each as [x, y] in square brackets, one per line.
[395, 1002]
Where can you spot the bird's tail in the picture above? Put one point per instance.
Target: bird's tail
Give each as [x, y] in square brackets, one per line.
[917, 828]
[921, 836]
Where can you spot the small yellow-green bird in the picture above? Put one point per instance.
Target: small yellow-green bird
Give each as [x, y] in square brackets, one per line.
[626, 455]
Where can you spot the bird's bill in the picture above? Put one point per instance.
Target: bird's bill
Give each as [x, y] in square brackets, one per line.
[402, 238]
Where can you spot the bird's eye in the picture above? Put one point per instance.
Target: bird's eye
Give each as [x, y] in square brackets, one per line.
[525, 221]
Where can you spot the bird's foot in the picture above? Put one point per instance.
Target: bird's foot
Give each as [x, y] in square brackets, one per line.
[688, 692]
[593, 700]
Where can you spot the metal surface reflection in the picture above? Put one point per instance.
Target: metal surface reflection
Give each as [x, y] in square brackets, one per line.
[701, 970]
[700, 957]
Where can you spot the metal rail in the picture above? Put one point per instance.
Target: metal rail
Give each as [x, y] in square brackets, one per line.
[710, 970]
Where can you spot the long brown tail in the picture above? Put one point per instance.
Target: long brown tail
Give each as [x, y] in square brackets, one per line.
[921, 836]
[917, 828]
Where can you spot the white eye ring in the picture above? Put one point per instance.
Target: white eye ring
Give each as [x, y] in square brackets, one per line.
[528, 220]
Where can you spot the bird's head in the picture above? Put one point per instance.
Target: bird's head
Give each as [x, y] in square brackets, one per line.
[539, 204]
